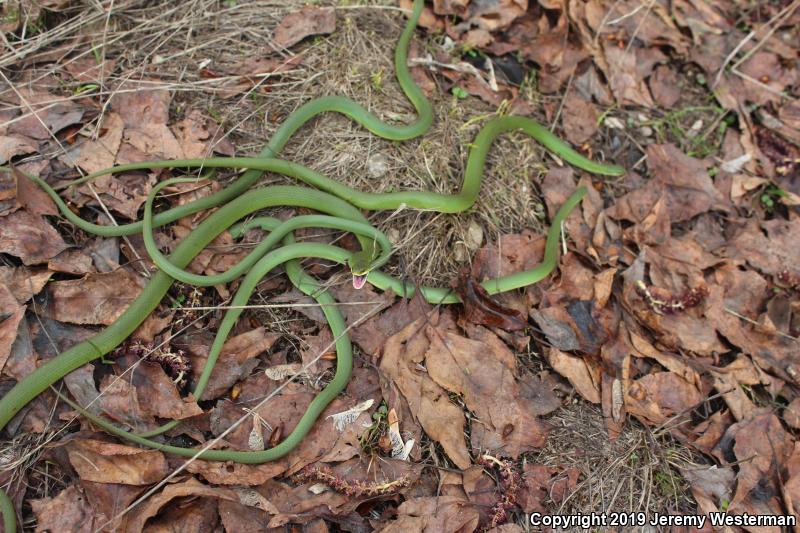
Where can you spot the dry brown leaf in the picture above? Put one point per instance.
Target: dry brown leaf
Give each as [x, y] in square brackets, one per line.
[72, 261]
[14, 145]
[163, 400]
[11, 314]
[67, 511]
[690, 190]
[372, 334]
[300, 505]
[237, 359]
[582, 374]
[88, 69]
[29, 237]
[106, 462]
[509, 424]
[428, 402]
[627, 73]
[100, 153]
[659, 396]
[762, 446]
[771, 253]
[546, 483]
[24, 283]
[94, 299]
[711, 487]
[189, 488]
[443, 514]
[120, 401]
[107, 500]
[32, 197]
[195, 138]
[579, 118]
[308, 21]
[238, 518]
[45, 114]
[653, 26]
[791, 415]
[665, 86]
[220, 473]
[196, 515]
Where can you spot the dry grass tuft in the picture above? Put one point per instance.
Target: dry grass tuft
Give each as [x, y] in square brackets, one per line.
[637, 472]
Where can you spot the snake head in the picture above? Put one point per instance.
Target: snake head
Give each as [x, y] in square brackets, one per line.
[360, 265]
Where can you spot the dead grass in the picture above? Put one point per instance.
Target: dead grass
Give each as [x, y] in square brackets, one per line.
[637, 472]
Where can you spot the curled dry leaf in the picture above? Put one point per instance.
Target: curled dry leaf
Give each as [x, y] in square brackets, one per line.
[583, 374]
[480, 308]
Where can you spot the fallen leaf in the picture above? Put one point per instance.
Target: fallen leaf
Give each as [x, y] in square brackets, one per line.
[221, 473]
[152, 383]
[100, 153]
[428, 402]
[372, 334]
[579, 118]
[67, 511]
[189, 488]
[71, 261]
[665, 86]
[690, 190]
[582, 374]
[30, 238]
[14, 145]
[105, 462]
[97, 298]
[544, 483]
[24, 283]
[762, 447]
[660, 396]
[88, 69]
[44, 115]
[508, 422]
[480, 308]
[236, 360]
[296, 26]
[10, 318]
[108, 500]
[443, 514]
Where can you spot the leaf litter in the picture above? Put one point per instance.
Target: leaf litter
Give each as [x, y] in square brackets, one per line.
[675, 307]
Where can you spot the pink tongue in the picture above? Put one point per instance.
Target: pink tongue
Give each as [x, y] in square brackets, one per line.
[359, 281]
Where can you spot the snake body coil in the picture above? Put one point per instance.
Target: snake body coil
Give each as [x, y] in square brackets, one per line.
[341, 203]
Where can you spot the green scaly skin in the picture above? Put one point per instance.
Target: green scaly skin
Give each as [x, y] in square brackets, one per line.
[241, 202]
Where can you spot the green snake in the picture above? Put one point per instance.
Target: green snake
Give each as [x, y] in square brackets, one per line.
[342, 206]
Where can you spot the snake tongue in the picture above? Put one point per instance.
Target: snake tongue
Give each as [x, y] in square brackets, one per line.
[359, 281]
